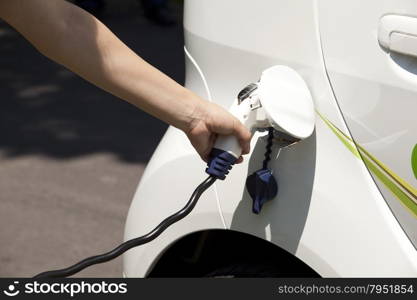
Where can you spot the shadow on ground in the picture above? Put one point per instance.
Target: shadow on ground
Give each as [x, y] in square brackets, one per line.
[47, 110]
[71, 155]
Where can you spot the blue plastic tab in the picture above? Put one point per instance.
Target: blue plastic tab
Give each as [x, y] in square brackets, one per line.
[220, 163]
[262, 187]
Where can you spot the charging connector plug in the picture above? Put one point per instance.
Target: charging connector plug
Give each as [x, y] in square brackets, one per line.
[220, 163]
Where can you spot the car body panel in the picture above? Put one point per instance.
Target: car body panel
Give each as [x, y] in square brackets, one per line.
[328, 211]
[376, 90]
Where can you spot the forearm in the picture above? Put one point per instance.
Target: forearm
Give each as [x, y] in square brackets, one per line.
[77, 40]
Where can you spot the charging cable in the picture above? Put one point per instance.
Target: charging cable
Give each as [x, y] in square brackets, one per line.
[122, 248]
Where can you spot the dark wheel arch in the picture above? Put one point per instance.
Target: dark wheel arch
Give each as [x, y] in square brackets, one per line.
[202, 253]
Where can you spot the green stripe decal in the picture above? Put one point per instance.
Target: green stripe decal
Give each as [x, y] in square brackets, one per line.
[401, 189]
[404, 199]
[405, 185]
[347, 142]
[414, 161]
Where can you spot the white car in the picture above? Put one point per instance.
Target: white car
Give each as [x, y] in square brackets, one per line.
[347, 199]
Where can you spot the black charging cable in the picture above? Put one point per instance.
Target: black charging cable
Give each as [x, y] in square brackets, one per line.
[98, 259]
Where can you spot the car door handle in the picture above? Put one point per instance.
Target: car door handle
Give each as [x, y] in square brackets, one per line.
[398, 34]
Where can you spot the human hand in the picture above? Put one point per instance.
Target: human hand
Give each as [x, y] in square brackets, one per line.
[210, 120]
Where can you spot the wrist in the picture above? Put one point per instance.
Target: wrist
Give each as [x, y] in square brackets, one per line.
[193, 113]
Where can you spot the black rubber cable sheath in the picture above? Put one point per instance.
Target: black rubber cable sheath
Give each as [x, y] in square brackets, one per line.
[122, 248]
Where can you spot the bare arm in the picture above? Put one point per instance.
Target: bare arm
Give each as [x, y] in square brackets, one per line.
[74, 38]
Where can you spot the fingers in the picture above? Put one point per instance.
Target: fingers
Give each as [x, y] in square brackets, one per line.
[243, 135]
[211, 142]
[218, 122]
[202, 141]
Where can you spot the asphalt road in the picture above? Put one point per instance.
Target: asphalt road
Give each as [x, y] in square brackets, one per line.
[71, 155]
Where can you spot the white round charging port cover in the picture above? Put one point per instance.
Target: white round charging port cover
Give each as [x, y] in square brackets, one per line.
[287, 101]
